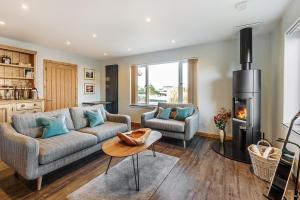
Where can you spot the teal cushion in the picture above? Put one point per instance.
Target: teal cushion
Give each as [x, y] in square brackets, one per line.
[183, 113]
[163, 113]
[53, 126]
[95, 117]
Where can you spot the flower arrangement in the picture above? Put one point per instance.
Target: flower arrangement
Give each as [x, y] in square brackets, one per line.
[222, 118]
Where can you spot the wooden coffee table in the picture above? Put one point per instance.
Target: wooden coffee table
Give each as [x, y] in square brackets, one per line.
[115, 148]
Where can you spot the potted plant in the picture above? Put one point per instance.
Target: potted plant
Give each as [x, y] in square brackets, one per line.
[221, 120]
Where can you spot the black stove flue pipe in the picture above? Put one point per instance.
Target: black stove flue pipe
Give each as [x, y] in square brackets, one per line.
[246, 48]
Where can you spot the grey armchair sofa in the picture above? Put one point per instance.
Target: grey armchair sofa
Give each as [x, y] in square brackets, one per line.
[23, 149]
[183, 130]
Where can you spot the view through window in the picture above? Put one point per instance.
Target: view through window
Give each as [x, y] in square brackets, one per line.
[165, 82]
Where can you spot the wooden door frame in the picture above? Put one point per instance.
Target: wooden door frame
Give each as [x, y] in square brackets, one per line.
[62, 63]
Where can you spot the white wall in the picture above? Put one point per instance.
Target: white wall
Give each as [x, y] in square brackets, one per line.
[216, 63]
[57, 55]
[276, 83]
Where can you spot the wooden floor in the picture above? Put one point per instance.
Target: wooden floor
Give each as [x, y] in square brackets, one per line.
[199, 174]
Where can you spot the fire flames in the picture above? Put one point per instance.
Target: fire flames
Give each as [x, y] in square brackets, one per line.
[242, 113]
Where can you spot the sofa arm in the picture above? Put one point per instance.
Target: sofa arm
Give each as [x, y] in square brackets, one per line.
[19, 151]
[191, 125]
[125, 119]
[146, 116]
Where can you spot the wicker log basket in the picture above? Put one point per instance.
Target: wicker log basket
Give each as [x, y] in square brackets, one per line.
[264, 167]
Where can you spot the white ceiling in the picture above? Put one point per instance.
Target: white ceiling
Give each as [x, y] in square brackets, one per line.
[120, 24]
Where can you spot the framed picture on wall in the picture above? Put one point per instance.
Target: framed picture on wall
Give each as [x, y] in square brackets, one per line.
[89, 74]
[89, 88]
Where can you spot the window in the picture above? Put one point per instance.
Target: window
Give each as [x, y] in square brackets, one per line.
[165, 82]
[291, 95]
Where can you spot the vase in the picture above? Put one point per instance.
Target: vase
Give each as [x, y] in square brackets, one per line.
[222, 136]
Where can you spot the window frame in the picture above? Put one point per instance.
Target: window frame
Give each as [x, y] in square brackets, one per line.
[147, 84]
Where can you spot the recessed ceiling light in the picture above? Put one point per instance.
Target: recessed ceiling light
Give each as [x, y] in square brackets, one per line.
[2, 23]
[94, 35]
[173, 41]
[242, 5]
[24, 6]
[148, 19]
[128, 49]
[68, 43]
[105, 54]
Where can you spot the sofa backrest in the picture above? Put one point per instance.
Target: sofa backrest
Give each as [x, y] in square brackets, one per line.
[79, 118]
[174, 105]
[26, 123]
[180, 105]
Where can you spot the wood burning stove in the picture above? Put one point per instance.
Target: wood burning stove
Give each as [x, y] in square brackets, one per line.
[246, 109]
[246, 106]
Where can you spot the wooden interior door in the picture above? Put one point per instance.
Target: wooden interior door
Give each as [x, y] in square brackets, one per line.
[60, 85]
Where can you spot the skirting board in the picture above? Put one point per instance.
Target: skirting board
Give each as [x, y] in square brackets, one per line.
[213, 135]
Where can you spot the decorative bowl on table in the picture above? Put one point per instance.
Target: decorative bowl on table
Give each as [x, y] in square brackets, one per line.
[136, 137]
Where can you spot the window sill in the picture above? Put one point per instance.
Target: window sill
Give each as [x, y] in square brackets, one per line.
[142, 106]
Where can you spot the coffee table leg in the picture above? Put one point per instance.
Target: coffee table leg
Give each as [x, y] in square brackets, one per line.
[153, 150]
[136, 174]
[108, 165]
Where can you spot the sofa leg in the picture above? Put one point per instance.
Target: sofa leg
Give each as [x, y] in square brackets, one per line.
[184, 144]
[39, 182]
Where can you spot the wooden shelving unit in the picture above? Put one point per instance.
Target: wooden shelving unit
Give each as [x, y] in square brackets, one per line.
[13, 75]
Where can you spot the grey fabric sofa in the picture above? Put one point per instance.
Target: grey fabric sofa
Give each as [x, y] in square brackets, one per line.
[23, 149]
[183, 130]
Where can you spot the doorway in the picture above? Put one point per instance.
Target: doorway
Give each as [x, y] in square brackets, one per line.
[60, 85]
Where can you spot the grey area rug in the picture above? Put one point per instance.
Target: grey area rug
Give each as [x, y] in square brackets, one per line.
[119, 182]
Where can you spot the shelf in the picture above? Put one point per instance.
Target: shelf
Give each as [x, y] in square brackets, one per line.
[22, 78]
[9, 88]
[12, 65]
[92, 103]
[5, 101]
